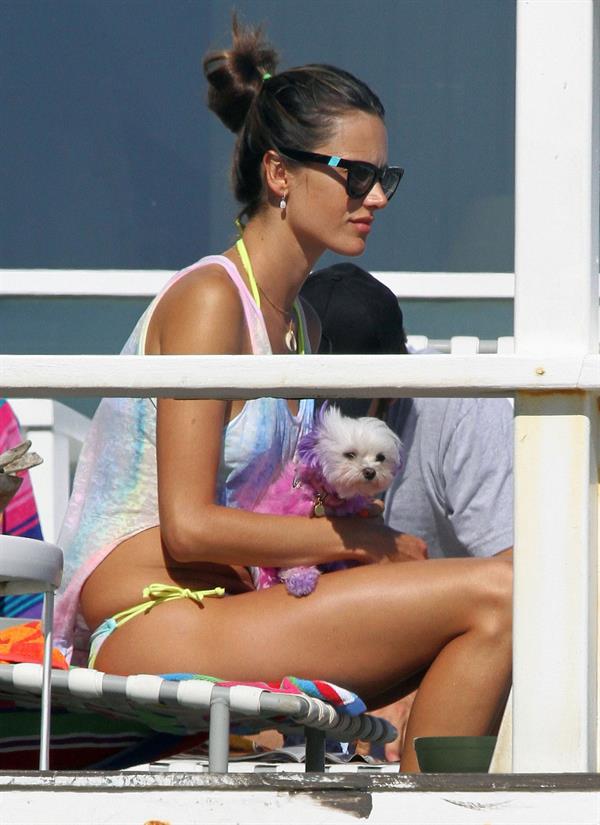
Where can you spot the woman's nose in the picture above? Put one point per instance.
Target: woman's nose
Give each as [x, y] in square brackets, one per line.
[376, 198]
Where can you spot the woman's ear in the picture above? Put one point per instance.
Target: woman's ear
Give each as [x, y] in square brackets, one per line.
[276, 175]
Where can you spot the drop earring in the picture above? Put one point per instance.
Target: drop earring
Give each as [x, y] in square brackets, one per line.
[282, 203]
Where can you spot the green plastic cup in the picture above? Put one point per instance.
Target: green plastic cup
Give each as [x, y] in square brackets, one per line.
[455, 754]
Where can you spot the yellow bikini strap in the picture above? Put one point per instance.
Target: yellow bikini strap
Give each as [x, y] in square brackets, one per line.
[243, 253]
[160, 593]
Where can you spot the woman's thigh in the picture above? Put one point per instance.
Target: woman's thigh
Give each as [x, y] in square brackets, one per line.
[367, 628]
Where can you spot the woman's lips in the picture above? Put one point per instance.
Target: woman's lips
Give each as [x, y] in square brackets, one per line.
[363, 225]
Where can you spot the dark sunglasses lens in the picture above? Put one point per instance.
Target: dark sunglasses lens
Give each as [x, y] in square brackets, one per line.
[361, 179]
[390, 181]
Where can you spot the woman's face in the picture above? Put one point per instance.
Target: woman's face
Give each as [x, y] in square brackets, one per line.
[320, 212]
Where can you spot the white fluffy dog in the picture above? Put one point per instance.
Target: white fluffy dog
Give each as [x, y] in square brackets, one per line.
[340, 464]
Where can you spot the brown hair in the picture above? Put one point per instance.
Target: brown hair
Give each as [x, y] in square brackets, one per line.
[296, 108]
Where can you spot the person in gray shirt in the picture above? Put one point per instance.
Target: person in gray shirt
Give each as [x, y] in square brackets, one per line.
[455, 490]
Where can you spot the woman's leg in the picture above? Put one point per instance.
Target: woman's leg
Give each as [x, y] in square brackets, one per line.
[367, 628]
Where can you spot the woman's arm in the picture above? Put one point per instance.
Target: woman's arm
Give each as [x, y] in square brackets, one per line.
[203, 315]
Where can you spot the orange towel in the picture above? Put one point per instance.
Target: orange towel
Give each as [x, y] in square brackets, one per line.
[25, 643]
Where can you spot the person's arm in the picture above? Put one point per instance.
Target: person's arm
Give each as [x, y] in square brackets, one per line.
[204, 315]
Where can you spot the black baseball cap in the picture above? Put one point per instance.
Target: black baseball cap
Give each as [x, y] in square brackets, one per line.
[359, 314]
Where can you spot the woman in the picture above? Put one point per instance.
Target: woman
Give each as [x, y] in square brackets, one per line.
[180, 519]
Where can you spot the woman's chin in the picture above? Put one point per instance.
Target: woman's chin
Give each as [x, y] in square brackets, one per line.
[350, 248]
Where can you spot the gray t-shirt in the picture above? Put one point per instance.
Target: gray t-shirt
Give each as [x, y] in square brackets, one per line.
[456, 489]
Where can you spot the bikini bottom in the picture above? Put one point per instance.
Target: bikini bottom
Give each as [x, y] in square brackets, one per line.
[158, 594]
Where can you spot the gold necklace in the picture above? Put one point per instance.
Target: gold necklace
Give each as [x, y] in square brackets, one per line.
[290, 339]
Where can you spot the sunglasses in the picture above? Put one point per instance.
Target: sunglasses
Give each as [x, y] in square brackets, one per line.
[362, 176]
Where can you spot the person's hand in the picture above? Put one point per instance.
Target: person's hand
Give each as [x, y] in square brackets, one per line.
[374, 509]
[408, 548]
[374, 542]
[405, 547]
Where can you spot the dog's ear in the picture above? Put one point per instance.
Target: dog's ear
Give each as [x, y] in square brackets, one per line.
[321, 412]
[330, 413]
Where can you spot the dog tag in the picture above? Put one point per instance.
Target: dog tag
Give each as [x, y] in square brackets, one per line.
[319, 510]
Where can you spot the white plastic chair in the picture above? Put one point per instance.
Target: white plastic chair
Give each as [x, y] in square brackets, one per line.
[32, 566]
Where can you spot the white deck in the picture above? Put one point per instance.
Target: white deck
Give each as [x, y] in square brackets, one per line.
[297, 799]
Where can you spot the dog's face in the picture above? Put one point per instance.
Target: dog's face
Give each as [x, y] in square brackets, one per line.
[358, 456]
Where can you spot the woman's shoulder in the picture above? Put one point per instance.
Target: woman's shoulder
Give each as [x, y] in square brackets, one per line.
[203, 305]
[214, 278]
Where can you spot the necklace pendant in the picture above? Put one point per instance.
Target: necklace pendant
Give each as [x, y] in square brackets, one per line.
[290, 340]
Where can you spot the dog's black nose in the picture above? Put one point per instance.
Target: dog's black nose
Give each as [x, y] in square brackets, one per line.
[369, 473]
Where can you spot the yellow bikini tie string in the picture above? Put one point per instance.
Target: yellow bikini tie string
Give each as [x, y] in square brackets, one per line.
[167, 592]
[160, 593]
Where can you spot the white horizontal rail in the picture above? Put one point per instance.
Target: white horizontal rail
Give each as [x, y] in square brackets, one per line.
[461, 345]
[146, 283]
[234, 376]
[449, 285]
[88, 283]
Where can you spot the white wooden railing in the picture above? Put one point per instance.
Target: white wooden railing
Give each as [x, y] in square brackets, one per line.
[147, 282]
[57, 432]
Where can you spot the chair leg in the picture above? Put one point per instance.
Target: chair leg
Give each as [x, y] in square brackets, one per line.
[218, 736]
[315, 750]
[47, 621]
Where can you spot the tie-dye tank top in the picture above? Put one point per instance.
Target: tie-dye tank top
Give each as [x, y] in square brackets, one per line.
[115, 487]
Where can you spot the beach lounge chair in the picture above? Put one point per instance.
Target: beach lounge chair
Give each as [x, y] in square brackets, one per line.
[175, 706]
[33, 566]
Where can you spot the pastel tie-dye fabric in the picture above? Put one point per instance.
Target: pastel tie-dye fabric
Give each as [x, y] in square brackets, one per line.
[115, 488]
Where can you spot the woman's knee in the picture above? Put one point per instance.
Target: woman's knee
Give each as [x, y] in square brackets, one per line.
[495, 595]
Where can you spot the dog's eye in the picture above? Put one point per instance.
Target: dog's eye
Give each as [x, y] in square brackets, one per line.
[350, 455]
[380, 457]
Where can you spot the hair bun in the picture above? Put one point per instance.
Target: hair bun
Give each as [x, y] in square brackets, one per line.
[235, 75]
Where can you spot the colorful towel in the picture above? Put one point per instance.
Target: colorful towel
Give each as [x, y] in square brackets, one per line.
[79, 740]
[20, 518]
[96, 740]
[25, 643]
[339, 697]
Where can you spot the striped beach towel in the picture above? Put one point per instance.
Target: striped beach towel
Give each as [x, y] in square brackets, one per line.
[20, 517]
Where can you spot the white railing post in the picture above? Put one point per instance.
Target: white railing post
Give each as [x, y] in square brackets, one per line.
[556, 300]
